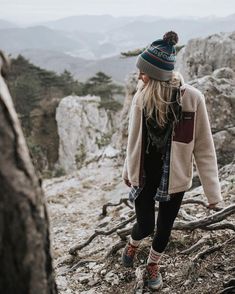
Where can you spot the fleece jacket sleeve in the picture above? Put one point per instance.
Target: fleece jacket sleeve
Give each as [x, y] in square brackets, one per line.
[205, 156]
[132, 163]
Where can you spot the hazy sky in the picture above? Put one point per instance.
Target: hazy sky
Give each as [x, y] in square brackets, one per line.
[26, 11]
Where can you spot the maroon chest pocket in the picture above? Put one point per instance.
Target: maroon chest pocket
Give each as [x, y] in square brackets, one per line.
[183, 131]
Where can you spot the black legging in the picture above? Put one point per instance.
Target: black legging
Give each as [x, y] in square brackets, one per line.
[145, 206]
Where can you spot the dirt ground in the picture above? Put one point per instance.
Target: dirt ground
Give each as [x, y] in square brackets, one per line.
[75, 205]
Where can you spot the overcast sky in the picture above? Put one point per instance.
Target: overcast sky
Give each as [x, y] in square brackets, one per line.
[26, 11]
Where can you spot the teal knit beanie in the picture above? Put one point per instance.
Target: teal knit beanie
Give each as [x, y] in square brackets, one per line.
[158, 60]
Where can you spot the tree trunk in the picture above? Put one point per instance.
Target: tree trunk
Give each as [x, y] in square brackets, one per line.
[25, 259]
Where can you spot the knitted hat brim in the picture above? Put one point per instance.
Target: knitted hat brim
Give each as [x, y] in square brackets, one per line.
[153, 72]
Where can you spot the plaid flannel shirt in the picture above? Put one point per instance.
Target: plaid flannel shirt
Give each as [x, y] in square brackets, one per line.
[162, 191]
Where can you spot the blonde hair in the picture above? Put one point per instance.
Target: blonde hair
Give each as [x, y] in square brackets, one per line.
[156, 97]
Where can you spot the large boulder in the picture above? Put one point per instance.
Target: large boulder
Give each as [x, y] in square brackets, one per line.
[201, 56]
[219, 91]
[225, 145]
[84, 130]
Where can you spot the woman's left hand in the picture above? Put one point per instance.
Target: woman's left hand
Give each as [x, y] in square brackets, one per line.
[216, 206]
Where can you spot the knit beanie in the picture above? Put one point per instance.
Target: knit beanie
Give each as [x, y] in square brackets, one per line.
[158, 60]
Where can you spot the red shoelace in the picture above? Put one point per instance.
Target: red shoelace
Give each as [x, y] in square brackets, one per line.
[153, 270]
[131, 250]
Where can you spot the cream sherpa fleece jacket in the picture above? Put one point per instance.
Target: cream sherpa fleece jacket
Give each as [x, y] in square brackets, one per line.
[191, 138]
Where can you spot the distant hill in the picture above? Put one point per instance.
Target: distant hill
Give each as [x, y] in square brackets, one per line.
[95, 37]
[140, 32]
[39, 37]
[85, 44]
[117, 67]
[95, 23]
[141, 29]
[6, 24]
[87, 23]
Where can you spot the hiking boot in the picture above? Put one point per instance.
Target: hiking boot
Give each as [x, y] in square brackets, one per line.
[128, 255]
[154, 277]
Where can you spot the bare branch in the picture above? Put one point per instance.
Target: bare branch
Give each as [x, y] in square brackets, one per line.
[97, 233]
[124, 233]
[206, 223]
[223, 226]
[228, 290]
[195, 246]
[186, 216]
[122, 200]
[115, 248]
[201, 223]
[210, 250]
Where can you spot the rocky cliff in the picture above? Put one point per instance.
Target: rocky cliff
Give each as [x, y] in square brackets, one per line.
[219, 91]
[40, 129]
[84, 129]
[201, 56]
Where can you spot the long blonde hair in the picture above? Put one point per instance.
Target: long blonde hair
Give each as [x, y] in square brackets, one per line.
[156, 97]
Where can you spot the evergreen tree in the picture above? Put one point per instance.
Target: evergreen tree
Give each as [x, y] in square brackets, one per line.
[102, 85]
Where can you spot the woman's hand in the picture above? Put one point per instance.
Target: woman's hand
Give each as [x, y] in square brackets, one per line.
[216, 206]
[127, 182]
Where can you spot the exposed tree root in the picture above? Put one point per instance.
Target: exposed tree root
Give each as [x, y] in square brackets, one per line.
[207, 223]
[122, 200]
[186, 216]
[202, 254]
[223, 226]
[228, 290]
[209, 220]
[124, 233]
[74, 249]
[210, 250]
[195, 246]
[127, 203]
[229, 287]
[115, 248]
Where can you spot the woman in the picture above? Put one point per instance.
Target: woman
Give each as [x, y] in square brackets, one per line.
[168, 126]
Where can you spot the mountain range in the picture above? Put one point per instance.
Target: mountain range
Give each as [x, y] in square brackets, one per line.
[86, 43]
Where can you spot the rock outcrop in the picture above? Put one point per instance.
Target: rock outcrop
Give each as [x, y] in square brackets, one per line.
[84, 129]
[219, 91]
[40, 130]
[201, 56]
